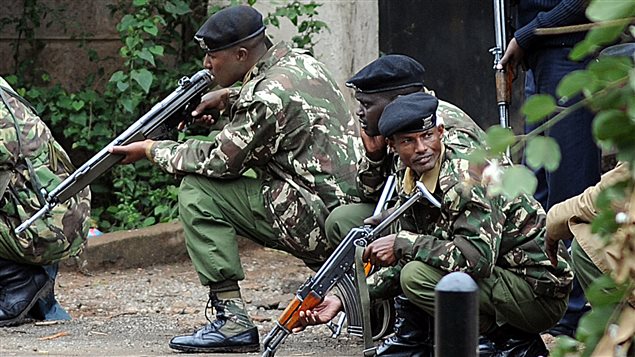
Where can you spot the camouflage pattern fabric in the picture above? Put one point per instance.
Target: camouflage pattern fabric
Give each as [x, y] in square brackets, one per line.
[473, 232]
[460, 131]
[291, 125]
[61, 234]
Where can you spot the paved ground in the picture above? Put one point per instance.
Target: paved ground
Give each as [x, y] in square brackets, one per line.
[123, 306]
[135, 312]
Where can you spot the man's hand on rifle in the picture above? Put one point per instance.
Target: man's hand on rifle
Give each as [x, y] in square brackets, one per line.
[381, 251]
[513, 56]
[376, 146]
[321, 314]
[217, 100]
[132, 152]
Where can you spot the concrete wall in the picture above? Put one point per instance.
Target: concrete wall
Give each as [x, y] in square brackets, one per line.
[351, 43]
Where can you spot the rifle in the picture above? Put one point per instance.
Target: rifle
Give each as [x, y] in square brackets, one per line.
[337, 270]
[503, 76]
[156, 123]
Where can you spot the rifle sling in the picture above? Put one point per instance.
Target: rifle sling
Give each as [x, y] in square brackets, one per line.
[364, 301]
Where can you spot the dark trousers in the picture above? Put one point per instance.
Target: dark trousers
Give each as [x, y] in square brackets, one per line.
[580, 163]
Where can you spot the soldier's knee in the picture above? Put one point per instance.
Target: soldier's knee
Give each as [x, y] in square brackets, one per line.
[416, 276]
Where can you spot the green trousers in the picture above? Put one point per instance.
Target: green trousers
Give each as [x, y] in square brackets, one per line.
[344, 218]
[504, 297]
[585, 270]
[213, 212]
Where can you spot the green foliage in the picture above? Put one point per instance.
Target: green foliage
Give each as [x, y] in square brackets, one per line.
[307, 28]
[607, 87]
[156, 50]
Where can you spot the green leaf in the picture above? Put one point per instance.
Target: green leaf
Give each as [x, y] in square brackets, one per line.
[574, 82]
[518, 180]
[610, 124]
[122, 86]
[156, 49]
[151, 29]
[538, 107]
[478, 156]
[138, 3]
[143, 77]
[78, 104]
[127, 104]
[499, 139]
[582, 49]
[610, 68]
[177, 7]
[118, 77]
[146, 55]
[543, 151]
[603, 291]
[603, 10]
[603, 35]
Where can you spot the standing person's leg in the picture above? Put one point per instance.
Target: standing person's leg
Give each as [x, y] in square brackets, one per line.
[542, 191]
[213, 212]
[580, 165]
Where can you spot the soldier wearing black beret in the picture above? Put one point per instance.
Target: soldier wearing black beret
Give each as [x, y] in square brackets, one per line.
[281, 123]
[498, 241]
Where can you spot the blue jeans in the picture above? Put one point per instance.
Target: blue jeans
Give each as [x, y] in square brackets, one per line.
[580, 165]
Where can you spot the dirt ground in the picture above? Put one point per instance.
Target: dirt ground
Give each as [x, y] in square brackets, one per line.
[136, 312]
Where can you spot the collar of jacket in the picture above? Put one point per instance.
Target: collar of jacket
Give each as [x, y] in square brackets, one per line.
[273, 55]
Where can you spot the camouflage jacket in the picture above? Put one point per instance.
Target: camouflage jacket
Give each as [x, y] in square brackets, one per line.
[473, 232]
[62, 233]
[290, 124]
[460, 131]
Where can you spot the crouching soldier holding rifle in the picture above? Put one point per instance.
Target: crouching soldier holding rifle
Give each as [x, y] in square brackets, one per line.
[338, 269]
[496, 240]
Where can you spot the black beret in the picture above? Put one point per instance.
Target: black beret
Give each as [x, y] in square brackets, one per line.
[229, 27]
[388, 73]
[408, 114]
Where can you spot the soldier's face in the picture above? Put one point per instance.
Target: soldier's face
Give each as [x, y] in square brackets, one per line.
[419, 151]
[371, 105]
[225, 65]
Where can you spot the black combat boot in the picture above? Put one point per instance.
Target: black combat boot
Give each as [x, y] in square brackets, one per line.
[232, 331]
[508, 341]
[414, 332]
[21, 286]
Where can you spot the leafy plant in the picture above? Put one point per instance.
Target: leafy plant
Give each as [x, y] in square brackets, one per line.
[608, 88]
[156, 50]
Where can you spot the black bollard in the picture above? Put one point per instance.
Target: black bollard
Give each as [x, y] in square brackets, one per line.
[456, 316]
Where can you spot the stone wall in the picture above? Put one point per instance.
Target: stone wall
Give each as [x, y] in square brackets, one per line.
[63, 53]
[351, 42]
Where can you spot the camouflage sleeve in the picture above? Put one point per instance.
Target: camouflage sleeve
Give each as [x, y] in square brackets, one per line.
[250, 136]
[468, 243]
[372, 176]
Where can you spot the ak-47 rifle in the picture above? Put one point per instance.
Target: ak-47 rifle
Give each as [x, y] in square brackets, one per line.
[504, 76]
[156, 123]
[337, 270]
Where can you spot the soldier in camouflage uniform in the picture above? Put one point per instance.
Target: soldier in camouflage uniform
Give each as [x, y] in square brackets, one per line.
[32, 161]
[497, 241]
[376, 85]
[290, 124]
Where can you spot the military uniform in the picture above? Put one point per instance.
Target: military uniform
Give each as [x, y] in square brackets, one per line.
[289, 123]
[31, 161]
[63, 233]
[496, 240]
